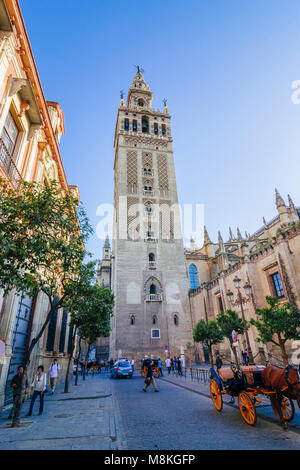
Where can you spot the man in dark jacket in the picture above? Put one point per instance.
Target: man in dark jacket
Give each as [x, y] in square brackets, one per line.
[16, 385]
[150, 379]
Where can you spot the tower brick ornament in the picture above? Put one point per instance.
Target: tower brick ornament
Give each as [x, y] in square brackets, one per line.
[149, 276]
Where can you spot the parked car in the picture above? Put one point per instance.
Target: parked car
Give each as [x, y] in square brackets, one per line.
[121, 369]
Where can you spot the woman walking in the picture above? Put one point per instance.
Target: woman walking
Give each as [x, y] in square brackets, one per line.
[39, 386]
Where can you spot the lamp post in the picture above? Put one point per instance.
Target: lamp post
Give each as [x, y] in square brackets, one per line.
[248, 290]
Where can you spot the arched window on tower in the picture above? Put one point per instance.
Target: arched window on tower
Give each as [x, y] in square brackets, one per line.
[176, 320]
[132, 320]
[151, 257]
[154, 320]
[194, 283]
[145, 125]
[152, 289]
[141, 103]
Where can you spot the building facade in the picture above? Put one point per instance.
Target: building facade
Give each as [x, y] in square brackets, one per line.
[148, 272]
[268, 261]
[30, 132]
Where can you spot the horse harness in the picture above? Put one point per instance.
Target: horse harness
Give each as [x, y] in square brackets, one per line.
[291, 385]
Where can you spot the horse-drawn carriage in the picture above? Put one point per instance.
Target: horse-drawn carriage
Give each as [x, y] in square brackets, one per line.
[281, 386]
[145, 364]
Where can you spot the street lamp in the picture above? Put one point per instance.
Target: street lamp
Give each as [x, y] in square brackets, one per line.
[248, 290]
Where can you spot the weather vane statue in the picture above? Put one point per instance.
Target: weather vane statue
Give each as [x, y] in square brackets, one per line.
[165, 101]
[122, 94]
[139, 69]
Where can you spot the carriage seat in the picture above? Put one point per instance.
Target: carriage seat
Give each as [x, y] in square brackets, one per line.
[252, 375]
[226, 373]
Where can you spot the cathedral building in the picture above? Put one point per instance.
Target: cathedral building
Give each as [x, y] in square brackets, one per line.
[162, 290]
[266, 263]
[148, 273]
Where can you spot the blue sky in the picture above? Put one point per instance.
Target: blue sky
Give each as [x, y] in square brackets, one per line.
[226, 68]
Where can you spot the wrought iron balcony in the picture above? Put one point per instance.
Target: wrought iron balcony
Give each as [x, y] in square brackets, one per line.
[154, 297]
[8, 165]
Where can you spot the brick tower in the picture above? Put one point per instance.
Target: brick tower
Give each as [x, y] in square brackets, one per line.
[149, 277]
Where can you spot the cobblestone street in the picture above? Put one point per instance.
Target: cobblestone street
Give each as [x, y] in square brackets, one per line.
[105, 414]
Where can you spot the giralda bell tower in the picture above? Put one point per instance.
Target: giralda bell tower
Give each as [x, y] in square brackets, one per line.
[149, 277]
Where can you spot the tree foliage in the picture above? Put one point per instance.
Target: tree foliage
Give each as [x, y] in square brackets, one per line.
[277, 323]
[42, 236]
[207, 333]
[229, 321]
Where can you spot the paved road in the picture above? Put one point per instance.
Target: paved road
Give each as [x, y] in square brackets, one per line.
[176, 418]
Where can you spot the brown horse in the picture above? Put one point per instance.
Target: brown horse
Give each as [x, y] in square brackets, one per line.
[286, 383]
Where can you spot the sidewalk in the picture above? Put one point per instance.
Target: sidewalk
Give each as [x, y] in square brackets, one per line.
[265, 411]
[85, 418]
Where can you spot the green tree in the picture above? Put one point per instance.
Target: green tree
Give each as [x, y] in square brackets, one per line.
[208, 334]
[93, 316]
[229, 321]
[42, 235]
[277, 324]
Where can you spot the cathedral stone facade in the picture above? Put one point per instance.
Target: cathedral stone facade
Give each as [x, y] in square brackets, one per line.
[148, 272]
[162, 290]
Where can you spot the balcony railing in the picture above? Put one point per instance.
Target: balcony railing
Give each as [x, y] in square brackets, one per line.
[148, 192]
[152, 265]
[8, 164]
[148, 172]
[150, 238]
[154, 297]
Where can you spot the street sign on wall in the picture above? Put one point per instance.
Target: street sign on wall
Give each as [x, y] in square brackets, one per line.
[234, 336]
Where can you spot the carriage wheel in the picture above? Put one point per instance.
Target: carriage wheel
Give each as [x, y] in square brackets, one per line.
[247, 408]
[216, 395]
[287, 408]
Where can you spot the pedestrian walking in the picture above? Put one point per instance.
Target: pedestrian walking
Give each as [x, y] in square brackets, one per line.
[160, 367]
[247, 357]
[244, 357]
[111, 364]
[132, 365]
[54, 373]
[219, 362]
[150, 379]
[16, 385]
[172, 364]
[39, 387]
[179, 366]
[168, 365]
[175, 363]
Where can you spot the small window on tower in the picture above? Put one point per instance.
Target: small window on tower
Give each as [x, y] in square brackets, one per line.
[134, 126]
[141, 103]
[163, 129]
[145, 125]
[126, 125]
[155, 128]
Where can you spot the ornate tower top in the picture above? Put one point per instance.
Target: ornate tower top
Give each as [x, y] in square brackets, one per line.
[139, 94]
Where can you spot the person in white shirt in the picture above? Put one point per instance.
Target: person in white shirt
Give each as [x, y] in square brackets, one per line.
[132, 365]
[39, 386]
[168, 364]
[53, 373]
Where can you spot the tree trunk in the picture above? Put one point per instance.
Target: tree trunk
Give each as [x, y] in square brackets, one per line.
[211, 359]
[19, 404]
[79, 353]
[66, 390]
[86, 361]
[283, 352]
